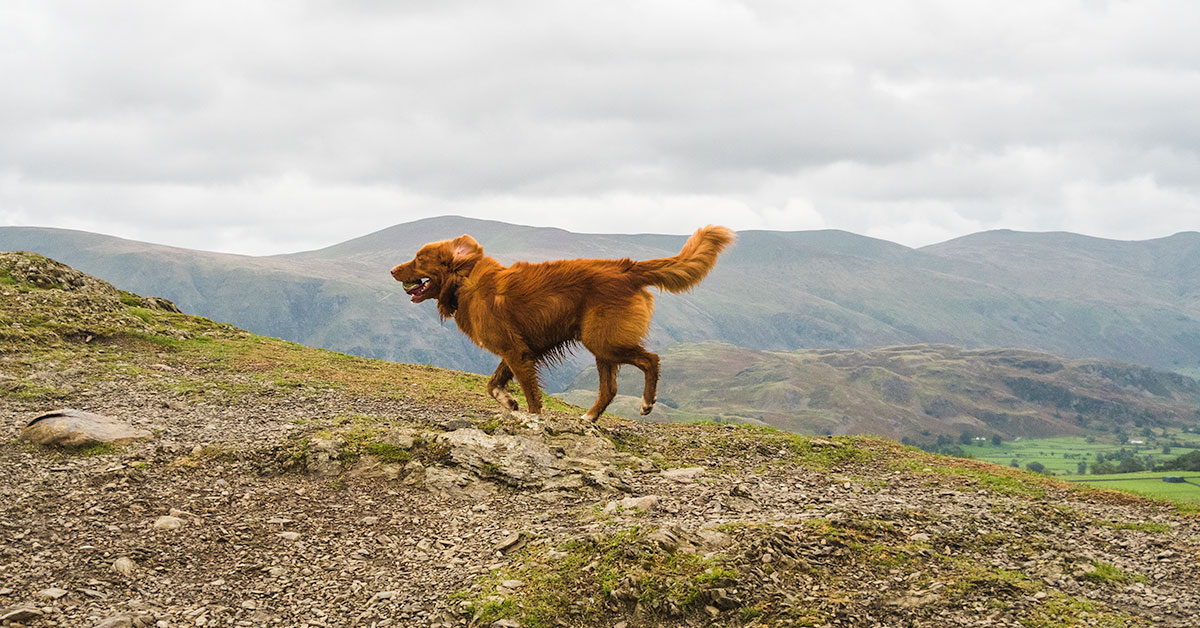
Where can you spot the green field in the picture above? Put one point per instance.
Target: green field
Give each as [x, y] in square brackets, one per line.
[1150, 484]
[1062, 455]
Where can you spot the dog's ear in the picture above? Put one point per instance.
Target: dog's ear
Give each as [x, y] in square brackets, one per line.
[466, 251]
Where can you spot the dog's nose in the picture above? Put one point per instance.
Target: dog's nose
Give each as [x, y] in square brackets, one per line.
[394, 271]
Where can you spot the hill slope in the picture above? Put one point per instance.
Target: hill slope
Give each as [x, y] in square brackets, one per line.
[294, 486]
[1066, 294]
[918, 391]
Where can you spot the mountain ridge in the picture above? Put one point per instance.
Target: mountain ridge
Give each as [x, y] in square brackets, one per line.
[772, 291]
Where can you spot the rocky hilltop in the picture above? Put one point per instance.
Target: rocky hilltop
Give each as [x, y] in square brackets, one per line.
[288, 486]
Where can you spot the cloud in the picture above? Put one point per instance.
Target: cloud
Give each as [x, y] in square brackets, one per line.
[275, 126]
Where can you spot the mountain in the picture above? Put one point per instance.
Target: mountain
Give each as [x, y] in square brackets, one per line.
[1065, 294]
[278, 484]
[914, 392]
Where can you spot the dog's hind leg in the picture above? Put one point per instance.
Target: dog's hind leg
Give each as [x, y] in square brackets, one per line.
[608, 388]
[648, 363]
[498, 386]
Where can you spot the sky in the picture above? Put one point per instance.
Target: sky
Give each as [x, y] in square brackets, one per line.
[272, 127]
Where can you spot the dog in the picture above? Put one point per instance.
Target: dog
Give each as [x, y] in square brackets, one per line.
[533, 314]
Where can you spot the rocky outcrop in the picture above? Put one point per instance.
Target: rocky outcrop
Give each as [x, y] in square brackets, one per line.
[469, 460]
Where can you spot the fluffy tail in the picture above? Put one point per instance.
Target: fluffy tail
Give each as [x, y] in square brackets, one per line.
[684, 271]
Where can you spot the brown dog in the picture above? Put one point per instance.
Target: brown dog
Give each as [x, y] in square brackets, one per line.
[529, 314]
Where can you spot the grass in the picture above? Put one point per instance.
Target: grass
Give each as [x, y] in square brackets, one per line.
[1150, 484]
[598, 579]
[1107, 572]
[99, 449]
[1141, 526]
[1061, 455]
[970, 474]
[1064, 611]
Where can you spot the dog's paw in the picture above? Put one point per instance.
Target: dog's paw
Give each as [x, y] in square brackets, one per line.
[588, 416]
[646, 408]
[505, 399]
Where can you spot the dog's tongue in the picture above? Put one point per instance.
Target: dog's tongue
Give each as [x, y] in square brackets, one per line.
[417, 288]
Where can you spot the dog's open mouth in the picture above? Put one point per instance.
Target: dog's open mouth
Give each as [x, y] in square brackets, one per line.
[416, 289]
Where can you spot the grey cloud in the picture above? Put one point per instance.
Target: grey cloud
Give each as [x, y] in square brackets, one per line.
[945, 116]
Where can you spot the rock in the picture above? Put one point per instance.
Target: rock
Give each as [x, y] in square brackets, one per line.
[511, 542]
[512, 584]
[740, 504]
[20, 613]
[821, 442]
[455, 483]
[645, 503]
[321, 459]
[713, 539]
[167, 522]
[289, 536]
[545, 459]
[383, 595]
[456, 424]
[723, 599]
[506, 623]
[74, 428]
[668, 540]
[123, 566]
[52, 593]
[516, 460]
[685, 475]
[119, 621]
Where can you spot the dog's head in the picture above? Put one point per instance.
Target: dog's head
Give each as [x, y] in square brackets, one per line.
[438, 270]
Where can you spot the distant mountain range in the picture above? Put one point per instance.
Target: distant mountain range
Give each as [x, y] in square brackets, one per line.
[916, 392]
[1066, 294]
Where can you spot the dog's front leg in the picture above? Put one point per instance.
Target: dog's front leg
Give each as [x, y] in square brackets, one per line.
[525, 369]
[498, 386]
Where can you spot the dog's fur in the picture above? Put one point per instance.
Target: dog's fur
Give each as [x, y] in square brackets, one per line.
[529, 314]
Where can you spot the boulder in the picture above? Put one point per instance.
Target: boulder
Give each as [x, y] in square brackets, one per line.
[75, 428]
[516, 460]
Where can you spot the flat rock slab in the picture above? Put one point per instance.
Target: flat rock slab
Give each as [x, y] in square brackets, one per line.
[75, 428]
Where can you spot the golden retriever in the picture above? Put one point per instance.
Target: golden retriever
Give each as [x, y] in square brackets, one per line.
[530, 314]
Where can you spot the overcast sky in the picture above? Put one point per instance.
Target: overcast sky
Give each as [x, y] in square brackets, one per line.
[269, 127]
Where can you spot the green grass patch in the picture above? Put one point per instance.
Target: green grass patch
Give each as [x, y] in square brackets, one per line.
[25, 390]
[1107, 572]
[98, 449]
[594, 581]
[1141, 526]
[1061, 455]
[1185, 495]
[1064, 611]
[1001, 480]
